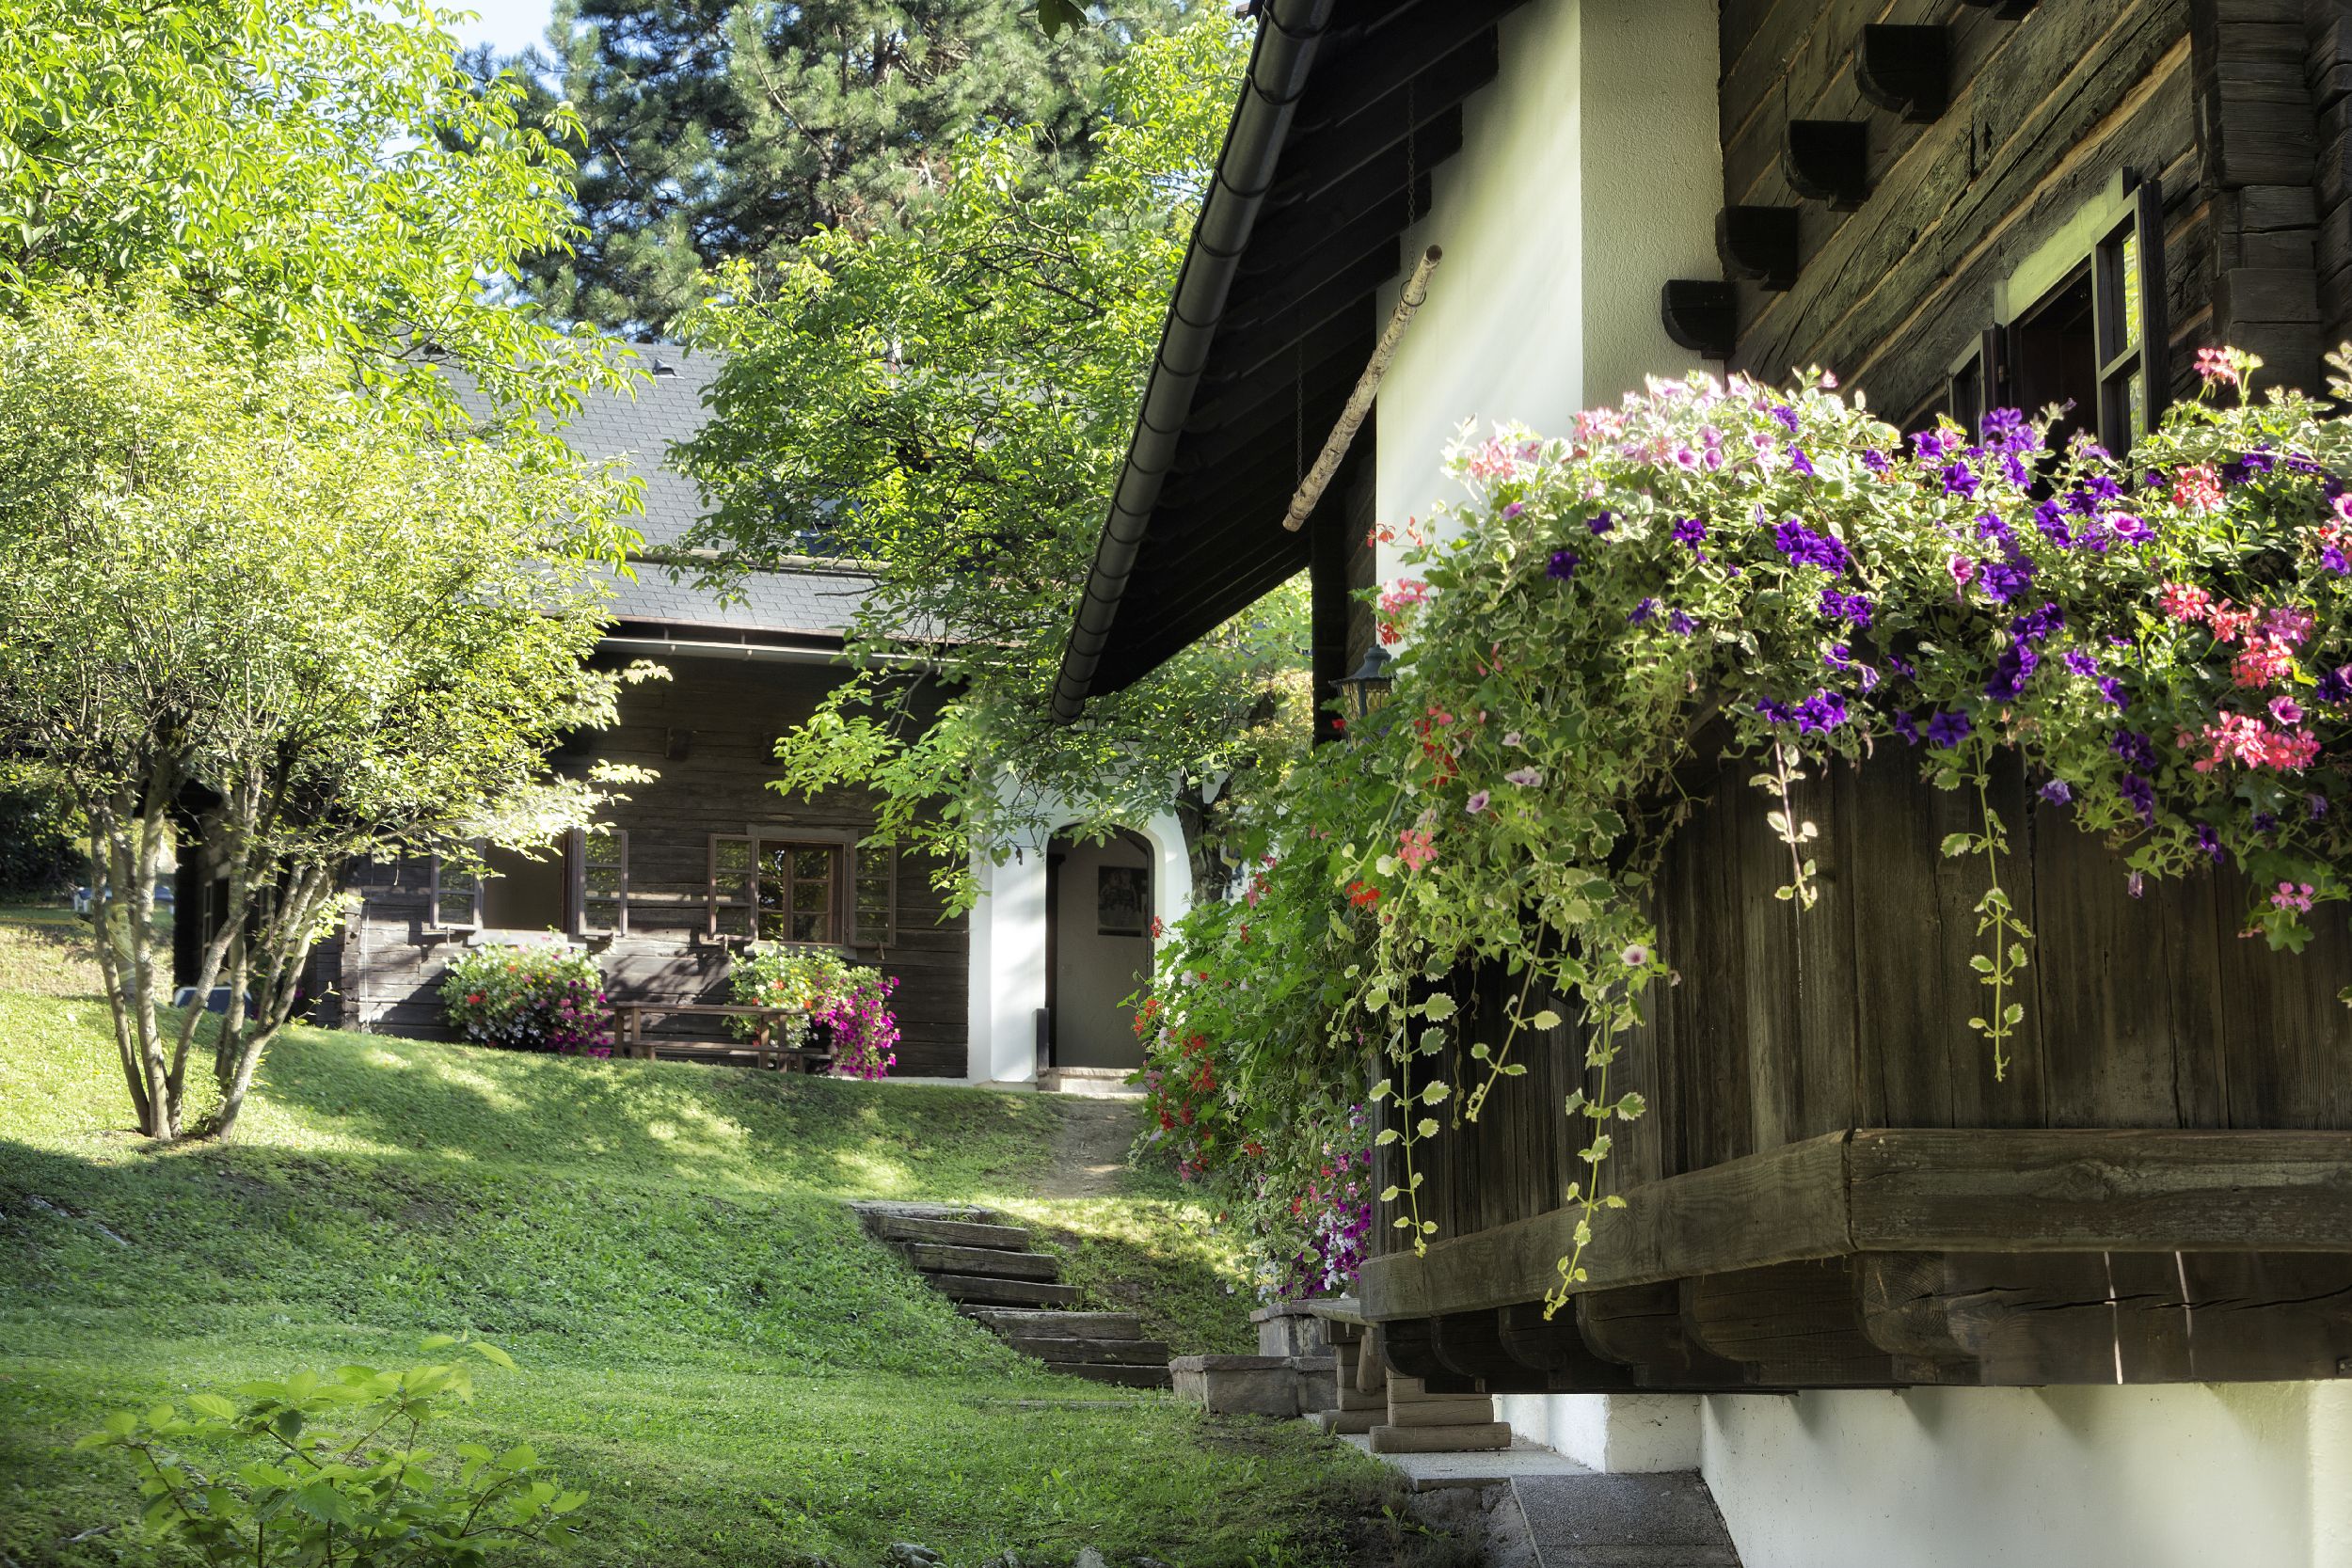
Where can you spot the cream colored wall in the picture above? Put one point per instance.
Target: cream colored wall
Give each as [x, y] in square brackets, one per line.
[1589, 176]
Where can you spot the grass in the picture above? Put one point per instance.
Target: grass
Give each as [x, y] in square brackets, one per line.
[708, 1345]
[46, 950]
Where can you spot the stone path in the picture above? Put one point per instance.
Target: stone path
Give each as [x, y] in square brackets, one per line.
[1090, 1149]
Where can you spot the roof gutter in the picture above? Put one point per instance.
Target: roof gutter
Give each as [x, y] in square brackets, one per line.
[1279, 64]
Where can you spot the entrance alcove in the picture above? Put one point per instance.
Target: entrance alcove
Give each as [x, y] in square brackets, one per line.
[1100, 902]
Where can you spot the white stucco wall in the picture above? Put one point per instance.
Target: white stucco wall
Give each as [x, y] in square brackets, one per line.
[1005, 983]
[2250, 1476]
[1590, 174]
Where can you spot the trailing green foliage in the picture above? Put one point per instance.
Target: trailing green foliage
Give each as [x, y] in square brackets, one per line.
[540, 998]
[39, 856]
[366, 1499]
[2165, 643]
[950, 400]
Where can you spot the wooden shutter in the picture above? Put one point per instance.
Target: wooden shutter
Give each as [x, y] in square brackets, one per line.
[599, 865]
[729, 894]
[874, 895]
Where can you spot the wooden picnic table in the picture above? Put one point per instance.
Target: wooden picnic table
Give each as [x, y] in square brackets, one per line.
[764, 1048]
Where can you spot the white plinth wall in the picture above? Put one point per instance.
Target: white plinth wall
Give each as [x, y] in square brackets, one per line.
[1007, 980]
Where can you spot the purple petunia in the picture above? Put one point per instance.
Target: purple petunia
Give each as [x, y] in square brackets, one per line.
[2316, 805]
[1601, 522]
[1820, 713]
[1563, 566]
[2135, 749]
[1799, 461]
[2051, 519]
[1775, 712]
[2130, 527]
[1852, 607]
[2081, 663]
[2036, 625]
[1641, 612]
[2209, 843]
[1691, 532]
[2111, 687]
[1906, 727]
[2058, 792]
[1876, 461]
[1680, 624]
[1949, 727]
[1786, 415]
[1960, 480]
[1928, 445]
[1804, 547]
[2006, 577]
[2335, 686]
[2011, 671]
[2333, 557]
[2142, 795]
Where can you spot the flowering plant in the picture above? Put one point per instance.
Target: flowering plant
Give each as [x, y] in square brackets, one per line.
[819, 986]
[2162, 641]
[529, 998]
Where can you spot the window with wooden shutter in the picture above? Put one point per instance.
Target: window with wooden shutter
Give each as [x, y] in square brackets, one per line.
[799, 891]
[729, 891]
[601, 879]
[874, 907]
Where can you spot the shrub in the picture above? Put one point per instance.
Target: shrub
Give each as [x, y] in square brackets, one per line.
[822, 986]
[366, 1499]
[530, 999]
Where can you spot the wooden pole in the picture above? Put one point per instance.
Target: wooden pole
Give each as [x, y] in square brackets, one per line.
[1367, 388]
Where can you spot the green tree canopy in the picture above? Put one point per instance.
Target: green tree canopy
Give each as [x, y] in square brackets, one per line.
[322, 176]
[262, 609]
[720, 129]
[951, 400]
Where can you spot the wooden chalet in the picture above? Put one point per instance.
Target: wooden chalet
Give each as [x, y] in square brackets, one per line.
[1953, 205]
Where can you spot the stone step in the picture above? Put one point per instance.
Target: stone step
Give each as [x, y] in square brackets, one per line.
[1349, 1422]
[1431, 1413]
[1465, 1439]
[1621, 1521]
[984, 1288]
[1079, 1325]
[933, 1259]
[961, 1233]
[1123, 1352]
[1130, 1377]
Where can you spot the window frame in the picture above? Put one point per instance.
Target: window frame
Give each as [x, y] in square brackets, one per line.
[856, 920]
[2102, 237]
[470, 885]
[584, 900]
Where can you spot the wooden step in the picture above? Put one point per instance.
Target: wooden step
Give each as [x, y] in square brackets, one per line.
[1131, 1377]
[933, 1259]
[961, 1233]
[1434, 1413]
[1007, 1293]
[1076, 1326]
[1133, 1352]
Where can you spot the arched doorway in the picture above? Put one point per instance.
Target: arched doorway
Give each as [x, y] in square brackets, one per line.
[1099, 901]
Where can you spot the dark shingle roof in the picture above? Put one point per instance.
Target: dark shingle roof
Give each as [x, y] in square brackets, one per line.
[816, 598]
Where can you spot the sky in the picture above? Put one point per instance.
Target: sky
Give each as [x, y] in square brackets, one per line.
[507, 25]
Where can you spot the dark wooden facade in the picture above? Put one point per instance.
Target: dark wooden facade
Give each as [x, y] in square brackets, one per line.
[709, 733]
[1830, 1187]
[2234, 111]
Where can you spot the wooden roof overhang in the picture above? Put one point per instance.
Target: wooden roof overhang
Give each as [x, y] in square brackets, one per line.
[1890, 1257]
[1346, 107]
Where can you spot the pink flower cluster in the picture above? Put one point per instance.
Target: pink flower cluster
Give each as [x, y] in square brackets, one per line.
[1416, 847]
[2251, 743]
[1395, 602]
[1501, 460]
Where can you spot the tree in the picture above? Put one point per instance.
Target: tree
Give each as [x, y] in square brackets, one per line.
[319, 176]
[951, 400]
[259, 608]
[721, 129]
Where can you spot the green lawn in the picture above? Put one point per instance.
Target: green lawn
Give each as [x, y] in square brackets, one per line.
[707, 1343]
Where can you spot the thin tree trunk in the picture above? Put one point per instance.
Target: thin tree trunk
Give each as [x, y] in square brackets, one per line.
[285, 946]
[103, 827]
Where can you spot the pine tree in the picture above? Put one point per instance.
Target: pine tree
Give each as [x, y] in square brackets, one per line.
[719, 129]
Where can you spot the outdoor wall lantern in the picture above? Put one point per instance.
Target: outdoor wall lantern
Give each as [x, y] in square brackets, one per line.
[1364, 693]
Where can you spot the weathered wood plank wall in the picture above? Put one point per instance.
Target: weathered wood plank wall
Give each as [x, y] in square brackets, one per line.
[2221, 99]
[722, 716]
[2150, 1012]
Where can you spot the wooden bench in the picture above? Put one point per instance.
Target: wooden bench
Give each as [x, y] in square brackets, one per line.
[762, 1050]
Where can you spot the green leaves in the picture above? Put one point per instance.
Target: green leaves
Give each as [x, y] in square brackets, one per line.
[352, 1499]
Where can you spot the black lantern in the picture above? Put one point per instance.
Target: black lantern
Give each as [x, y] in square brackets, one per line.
[1364, 693]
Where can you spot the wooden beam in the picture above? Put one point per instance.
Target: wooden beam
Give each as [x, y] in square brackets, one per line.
[1759, 245]
[1909, 1190]
[1906, 70]
[1798, 1325]
[1702, 315]
[1828, 160]
[1642, 1326]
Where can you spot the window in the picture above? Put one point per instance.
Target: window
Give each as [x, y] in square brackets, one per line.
[456, 896]
[801, 889]
[2080, 322]
[600, 858]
